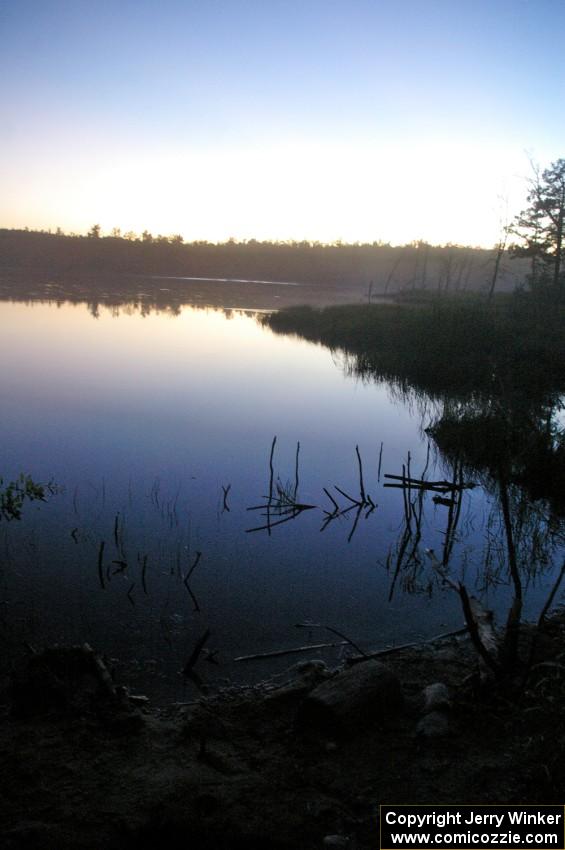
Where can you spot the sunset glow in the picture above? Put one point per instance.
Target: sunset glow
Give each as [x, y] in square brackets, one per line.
[305, 122]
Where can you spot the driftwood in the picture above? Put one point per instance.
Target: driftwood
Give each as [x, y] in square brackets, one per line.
[406, 482]
[352, 700]
[355, 659]
[479, 622]
[293, 650]
[390, 649]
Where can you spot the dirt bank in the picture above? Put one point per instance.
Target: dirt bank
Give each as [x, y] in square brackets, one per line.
[240, 768]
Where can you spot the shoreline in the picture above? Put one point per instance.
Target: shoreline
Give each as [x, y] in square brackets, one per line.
[243, 768]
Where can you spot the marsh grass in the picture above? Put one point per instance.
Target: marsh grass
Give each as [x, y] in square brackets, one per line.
[456, 345]
[496, 368]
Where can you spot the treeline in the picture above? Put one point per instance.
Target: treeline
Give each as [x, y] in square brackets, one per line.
[380, 267]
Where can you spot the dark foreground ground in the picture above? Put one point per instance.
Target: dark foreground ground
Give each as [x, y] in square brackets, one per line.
[241, 769]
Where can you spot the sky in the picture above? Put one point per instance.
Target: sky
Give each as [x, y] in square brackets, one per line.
[281, 119]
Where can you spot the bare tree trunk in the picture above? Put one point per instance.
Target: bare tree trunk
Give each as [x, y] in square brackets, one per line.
[500, 249]
[510, 648]
[559, 245]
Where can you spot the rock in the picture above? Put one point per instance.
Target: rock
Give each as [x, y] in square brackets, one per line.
[352, 700]
[139, 700]
[433, 725]
[300, 679]
[447, 654]
[336, 841]
[63, 680]
[436, 698]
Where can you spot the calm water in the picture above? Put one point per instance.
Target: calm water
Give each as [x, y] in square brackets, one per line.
[146, 418]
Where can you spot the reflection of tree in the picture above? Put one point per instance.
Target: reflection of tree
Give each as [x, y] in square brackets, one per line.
[15, 494]
[522, 538]
[488, 380]
[505, 435]
[516, 441]
[130, 304]
[513, 447]
[407, 558]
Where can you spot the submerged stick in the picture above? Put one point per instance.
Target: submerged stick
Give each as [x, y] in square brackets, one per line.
[193, 597]
[405, 497]
[380, 462]
[270, 524]
[271, 477]
[186, 578]
[361, 484]
[333, 631]
[194, 655]
[296, 471]
[332, 500]
[271, 469]
[296, 649]
[130, 597]
[356, 521]
[193, 567]
[100, 559]
[350, 498]
[390, 649]
[478, 620]
[429, 485]
[143, 574]
[551, 596]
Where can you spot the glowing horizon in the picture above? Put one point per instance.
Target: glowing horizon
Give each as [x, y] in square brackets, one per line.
[214, 196]
[286, 121]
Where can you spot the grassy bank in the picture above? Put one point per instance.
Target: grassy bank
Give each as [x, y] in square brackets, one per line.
[456, 346]
[496, 369]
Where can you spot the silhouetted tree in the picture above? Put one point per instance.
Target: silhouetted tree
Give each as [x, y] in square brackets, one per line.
[94, 232]
[541, 228]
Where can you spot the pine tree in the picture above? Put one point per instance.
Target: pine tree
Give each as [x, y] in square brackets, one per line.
[541, 229]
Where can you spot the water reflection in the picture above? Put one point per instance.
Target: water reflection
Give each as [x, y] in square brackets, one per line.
[159, 426]
[505, 434]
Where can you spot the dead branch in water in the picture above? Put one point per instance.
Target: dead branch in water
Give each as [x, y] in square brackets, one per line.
[100, 559]
[390, 649]
[292, 651]
[406, 482]
[333, 631]
[187, 577]
[282, 501]
[551, 596]
[364, 501]
[188, 669]
[479, 621]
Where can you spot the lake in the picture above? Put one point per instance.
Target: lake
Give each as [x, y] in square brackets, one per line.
[156, 428]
